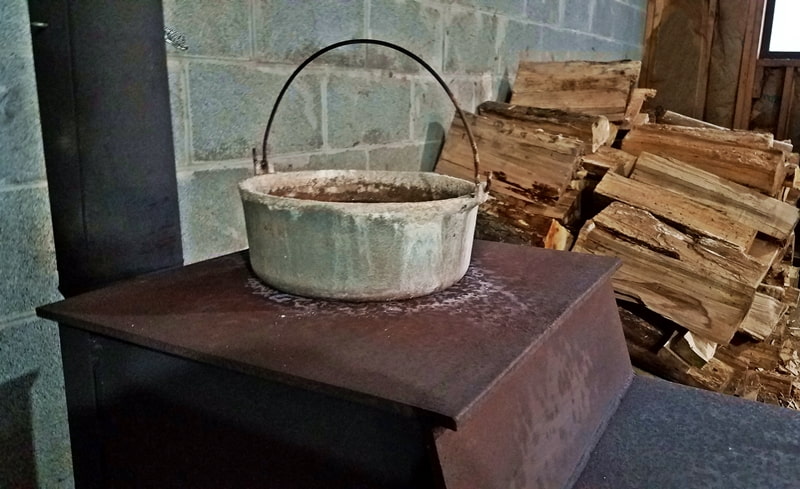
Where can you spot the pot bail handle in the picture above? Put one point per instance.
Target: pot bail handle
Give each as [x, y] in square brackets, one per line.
[476, 160]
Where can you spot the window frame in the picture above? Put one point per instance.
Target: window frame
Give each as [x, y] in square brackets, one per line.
[766, 33]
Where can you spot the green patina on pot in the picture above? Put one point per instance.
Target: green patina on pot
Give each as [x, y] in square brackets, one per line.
[338, 234]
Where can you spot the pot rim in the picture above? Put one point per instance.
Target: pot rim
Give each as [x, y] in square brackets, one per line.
[474, 194]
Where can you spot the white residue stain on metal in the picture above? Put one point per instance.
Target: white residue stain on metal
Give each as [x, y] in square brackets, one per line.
[477, 292]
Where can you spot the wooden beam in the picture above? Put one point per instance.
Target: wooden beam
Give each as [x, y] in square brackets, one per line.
[747, 69]
[704, 60]
[787, 97]
[778, 63]
[677, 31]
[652, 21]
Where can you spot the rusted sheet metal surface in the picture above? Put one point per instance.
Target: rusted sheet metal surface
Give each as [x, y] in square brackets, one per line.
[440, 354]
[541, 421]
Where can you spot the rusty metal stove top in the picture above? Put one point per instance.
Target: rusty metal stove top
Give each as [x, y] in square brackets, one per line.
[439, 353]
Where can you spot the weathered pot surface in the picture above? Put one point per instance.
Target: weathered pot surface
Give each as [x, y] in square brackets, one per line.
[360, 235]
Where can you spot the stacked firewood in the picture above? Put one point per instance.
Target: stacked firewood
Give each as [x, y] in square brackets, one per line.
[706, 242]
[702, 219]
[547, 147]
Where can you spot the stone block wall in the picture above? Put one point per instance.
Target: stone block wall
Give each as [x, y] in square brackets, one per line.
[357, 107]
[34, 438]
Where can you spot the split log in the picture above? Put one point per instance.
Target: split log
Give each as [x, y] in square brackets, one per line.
[614, 134]
[749, 207]
[776, 292]
[677, 209]
[534, 166]
[791, 296]
[566, 210]
[694, 350]
[647, 333]
[607, 159]
[765, 252]
[705, 135]
[532, 232]
[676, 119]
[708, 304]
[632, 112]
[558, 237]
[637, 120]
[645, 337]
[791, 276]
[740, 156]
[785, 146]
[791, 196]
[763, 317]
[715, 375]
[503, 221]
[707, 255]
[594, 130]
[597, 88]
